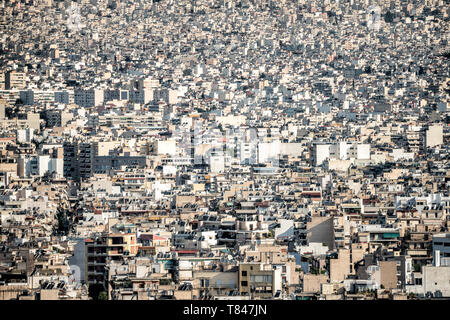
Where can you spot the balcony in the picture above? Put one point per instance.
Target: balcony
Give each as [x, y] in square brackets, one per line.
[96, 263]
[418, 252]
[97, 254]
[218, 286]
[115, 252]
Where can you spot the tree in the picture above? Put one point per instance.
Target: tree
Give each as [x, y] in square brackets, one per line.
[95, 291]
[187, 72]
[436, 12]
[389, 17]
[411, 295]
[63, 223]
[103, 295]
[164, 282]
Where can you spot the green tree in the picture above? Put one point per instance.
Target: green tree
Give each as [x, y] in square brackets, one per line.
[63, 223]
[95, 291]
[389, 17]
[103, 295]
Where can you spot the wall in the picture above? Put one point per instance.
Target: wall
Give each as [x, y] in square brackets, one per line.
[312, 283]
[388, 271]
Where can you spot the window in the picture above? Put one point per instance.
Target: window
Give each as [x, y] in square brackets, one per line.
[244, 273]
[204, 282]
[117, 240]
[244, 284]
[262, 278]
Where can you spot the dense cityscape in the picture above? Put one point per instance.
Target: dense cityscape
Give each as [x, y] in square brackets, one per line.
[224, 150]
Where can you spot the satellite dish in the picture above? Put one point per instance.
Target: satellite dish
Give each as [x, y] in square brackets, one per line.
[230, 257]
